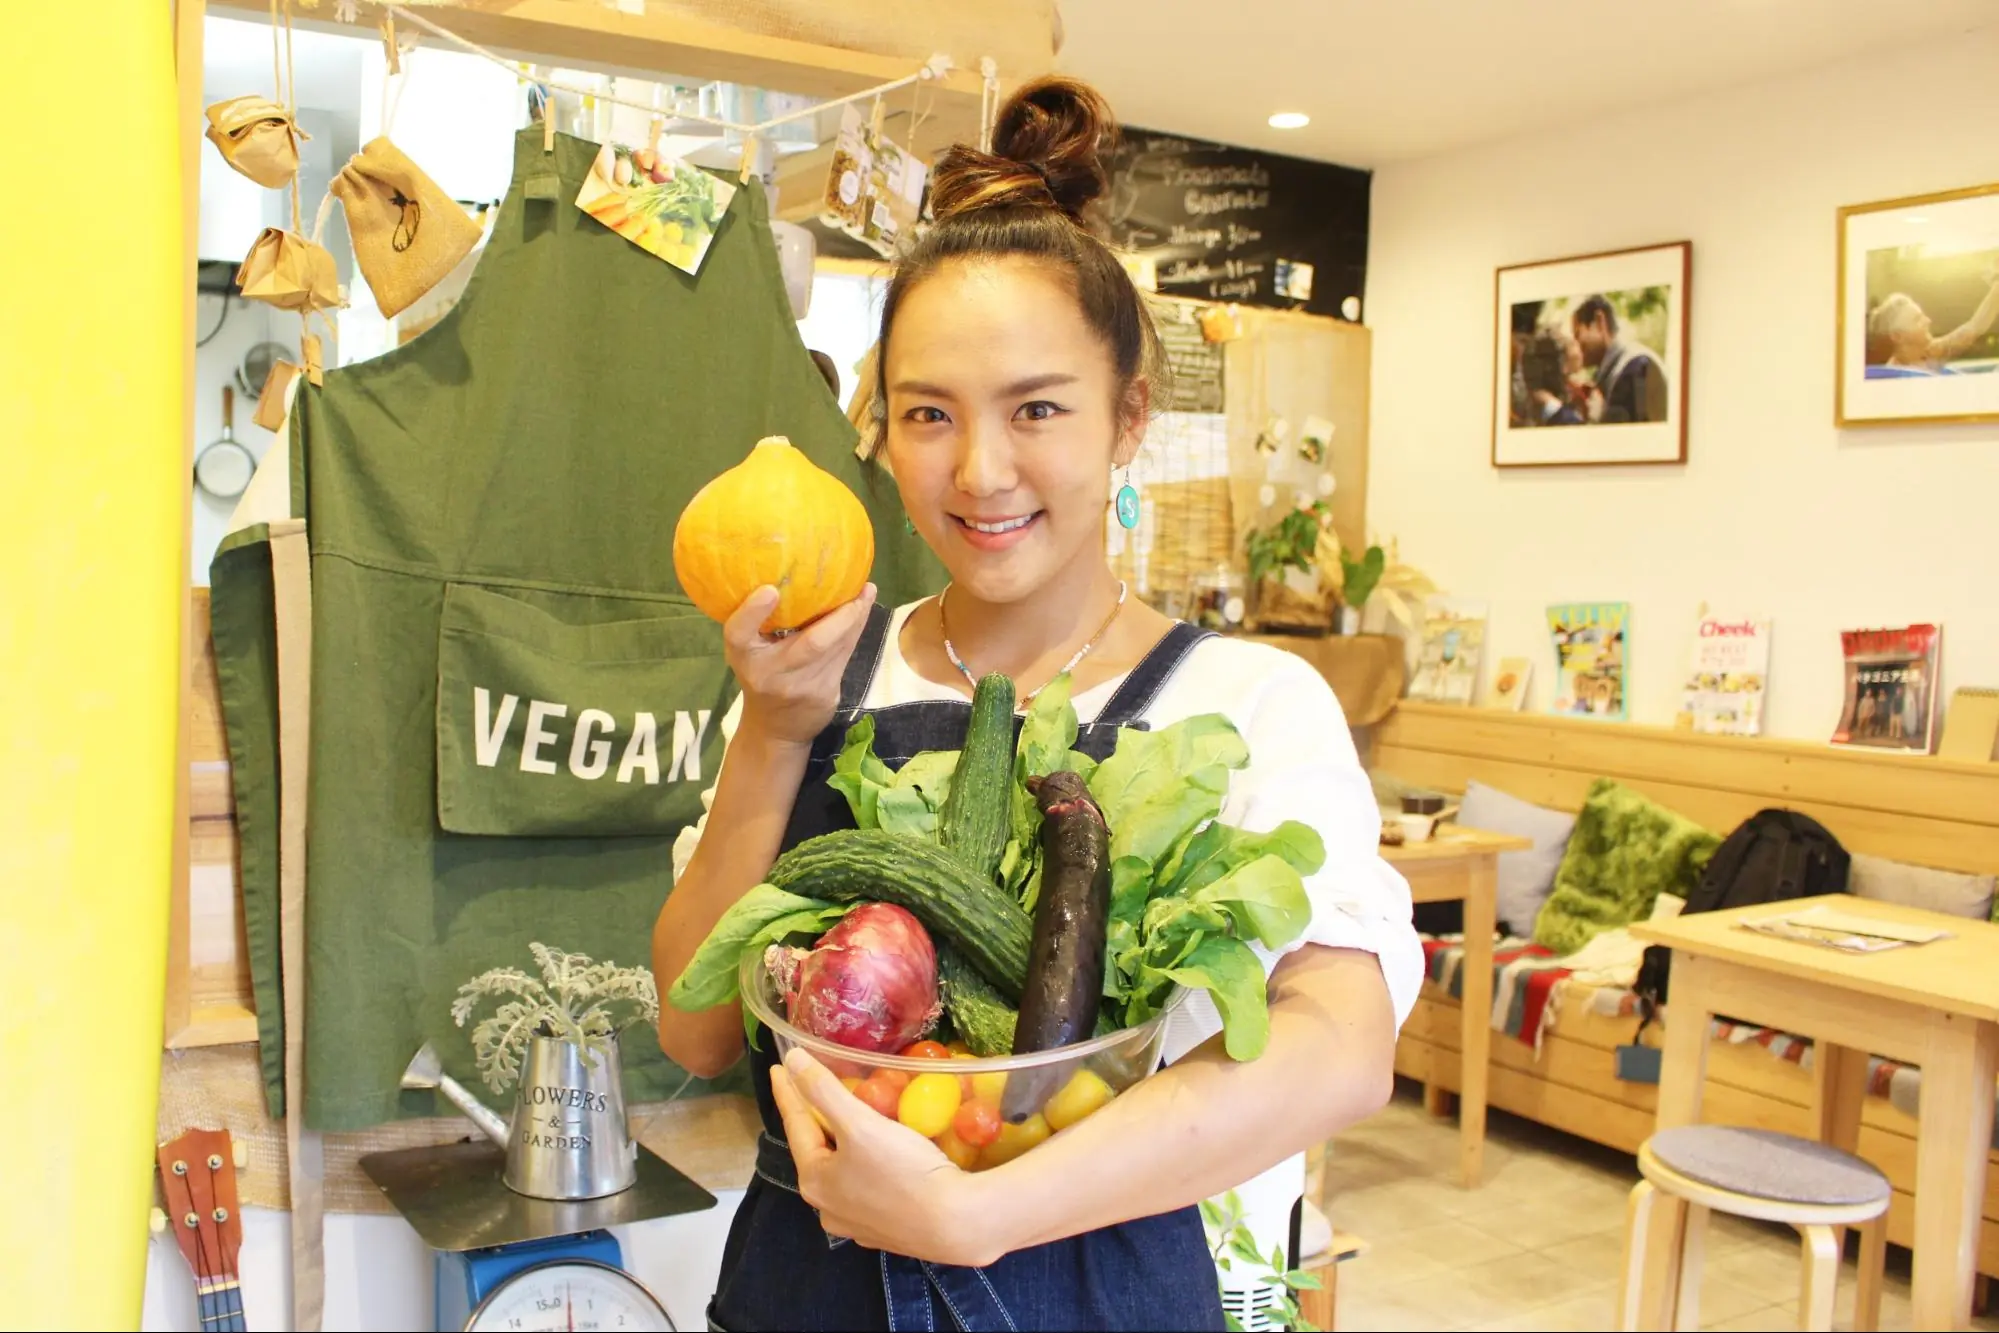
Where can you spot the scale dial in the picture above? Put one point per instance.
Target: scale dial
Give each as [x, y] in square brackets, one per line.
[565, 1294]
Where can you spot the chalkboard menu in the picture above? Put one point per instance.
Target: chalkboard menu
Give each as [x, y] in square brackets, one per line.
[1233, 224]
[1196, 366]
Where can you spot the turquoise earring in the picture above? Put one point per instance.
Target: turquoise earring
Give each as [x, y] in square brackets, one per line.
[1127, 503]
[909, 525]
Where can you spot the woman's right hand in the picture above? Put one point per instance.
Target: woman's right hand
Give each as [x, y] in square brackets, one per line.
[791, 683]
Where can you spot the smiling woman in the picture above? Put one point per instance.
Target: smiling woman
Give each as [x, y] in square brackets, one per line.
[1017, 368]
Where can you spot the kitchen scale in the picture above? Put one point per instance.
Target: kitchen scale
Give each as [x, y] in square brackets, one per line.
[506, 1261]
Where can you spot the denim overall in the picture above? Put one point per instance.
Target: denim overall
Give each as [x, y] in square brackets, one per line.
[781, 1271]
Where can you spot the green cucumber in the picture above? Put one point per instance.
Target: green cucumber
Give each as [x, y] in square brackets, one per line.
[983, 1019]
[977, 815]
[946, 895]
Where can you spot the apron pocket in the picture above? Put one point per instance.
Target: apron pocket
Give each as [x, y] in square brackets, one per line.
[563, 714]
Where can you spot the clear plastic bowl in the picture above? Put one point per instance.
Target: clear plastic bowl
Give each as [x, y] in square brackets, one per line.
[958, 1103]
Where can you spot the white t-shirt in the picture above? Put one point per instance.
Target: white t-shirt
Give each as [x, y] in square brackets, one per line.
[1302, 766]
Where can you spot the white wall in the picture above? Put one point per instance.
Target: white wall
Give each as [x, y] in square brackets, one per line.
[1775, 509]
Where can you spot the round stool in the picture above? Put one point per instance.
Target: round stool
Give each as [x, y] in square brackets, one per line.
[1773, 1177]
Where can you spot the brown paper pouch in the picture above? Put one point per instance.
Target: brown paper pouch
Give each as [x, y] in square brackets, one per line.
[407, 232]
[257, 137]
[288, 271]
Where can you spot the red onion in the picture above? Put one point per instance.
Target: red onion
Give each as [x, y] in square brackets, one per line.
[870, 982]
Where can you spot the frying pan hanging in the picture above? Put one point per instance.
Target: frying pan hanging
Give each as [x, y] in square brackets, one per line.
[223, 468]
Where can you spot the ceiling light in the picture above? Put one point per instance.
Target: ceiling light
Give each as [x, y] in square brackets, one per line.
[1290, 120]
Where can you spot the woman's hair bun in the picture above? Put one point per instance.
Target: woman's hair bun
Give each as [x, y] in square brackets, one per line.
[1050, 142]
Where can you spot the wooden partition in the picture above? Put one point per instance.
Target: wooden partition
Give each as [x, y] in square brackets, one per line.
[1926, 811]
[1921, 810]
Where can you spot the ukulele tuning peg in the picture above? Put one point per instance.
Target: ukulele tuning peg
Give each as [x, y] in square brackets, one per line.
[156, 1222]
[190, 1221]
[215, 1161]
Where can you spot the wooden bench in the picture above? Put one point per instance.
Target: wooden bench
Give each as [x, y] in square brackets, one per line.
[1920, 810]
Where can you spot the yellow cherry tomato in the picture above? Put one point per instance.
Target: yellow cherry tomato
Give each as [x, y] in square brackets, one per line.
[962, 1154]
[1014, 1140]
[1083, 1095]
[989, 1088]
[850, 1083]
[928, 1103]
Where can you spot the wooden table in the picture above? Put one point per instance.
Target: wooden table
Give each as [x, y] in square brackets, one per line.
[1934, 1005]
[1463, 864]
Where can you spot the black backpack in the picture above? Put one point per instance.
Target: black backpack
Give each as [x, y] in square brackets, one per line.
[1775, 855]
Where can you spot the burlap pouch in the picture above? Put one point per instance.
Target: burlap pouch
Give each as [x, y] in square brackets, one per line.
[257, 137]
[408, 234]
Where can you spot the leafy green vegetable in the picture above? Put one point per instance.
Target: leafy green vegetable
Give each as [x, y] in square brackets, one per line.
[1148, 764]
[1264, 899]
[930, 773]
[1218, 849]
[1226, 968]
[760, 917]
[858, 775]
[903, 810]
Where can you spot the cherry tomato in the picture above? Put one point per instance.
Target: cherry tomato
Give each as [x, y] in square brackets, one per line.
[959, 1049]
[883, 1096]
[989, 1088]
[928, 1104]
[1014, 1140]
[963, 1155]
[850, 1083]
[926, 1050]
[898, 1078]
[1083, 1095]
[977, 1123]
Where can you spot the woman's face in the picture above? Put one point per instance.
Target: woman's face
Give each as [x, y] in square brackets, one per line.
[1003, 425]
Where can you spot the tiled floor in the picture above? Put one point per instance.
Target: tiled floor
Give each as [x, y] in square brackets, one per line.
[1540, 1245]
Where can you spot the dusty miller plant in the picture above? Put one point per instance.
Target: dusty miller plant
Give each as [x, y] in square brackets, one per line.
[575, 998]
[1231, 1243]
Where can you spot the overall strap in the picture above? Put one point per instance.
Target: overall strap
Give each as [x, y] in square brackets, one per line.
[1142, 686]
[866, 661]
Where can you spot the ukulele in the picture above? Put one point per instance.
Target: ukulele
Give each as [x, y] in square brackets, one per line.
[198, 1178]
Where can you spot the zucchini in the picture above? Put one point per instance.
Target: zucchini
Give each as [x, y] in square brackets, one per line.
[874, 865]
[983, 1019]
[1065, 969]
[977, 814]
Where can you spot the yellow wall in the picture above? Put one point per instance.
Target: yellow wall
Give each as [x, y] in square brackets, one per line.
[92, 508]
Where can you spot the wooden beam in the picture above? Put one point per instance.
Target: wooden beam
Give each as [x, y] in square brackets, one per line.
[590, 35]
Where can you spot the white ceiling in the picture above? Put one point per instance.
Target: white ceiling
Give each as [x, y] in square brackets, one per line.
[1387, 80]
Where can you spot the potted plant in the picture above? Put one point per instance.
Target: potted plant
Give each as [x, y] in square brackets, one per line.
[1285, 571]
[575, 1000]
[1380, 575]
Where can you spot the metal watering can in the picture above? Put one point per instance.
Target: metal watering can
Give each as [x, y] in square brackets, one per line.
[568, 1138]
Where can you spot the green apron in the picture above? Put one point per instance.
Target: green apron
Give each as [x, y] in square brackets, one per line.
[514, 706]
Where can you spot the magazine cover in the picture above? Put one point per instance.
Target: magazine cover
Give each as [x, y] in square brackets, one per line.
[1509, 684]
[1591, 652]
[1447, 661]
[1889, 700]
[1731, 664]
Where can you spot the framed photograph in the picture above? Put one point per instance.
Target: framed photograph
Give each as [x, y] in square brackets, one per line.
[1919, 310]
[1590, 359]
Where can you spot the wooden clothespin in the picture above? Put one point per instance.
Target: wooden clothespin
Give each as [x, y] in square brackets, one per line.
[657, 128]
[548, 121]
[750, 143]
[875, 123]
[389, 44]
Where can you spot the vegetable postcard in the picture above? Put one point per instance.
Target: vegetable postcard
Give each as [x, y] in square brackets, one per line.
[665, 207]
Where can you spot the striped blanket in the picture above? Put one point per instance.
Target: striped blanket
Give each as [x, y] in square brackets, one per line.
[1524, 979]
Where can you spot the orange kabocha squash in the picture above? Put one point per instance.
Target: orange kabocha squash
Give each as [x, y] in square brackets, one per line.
[775, 518]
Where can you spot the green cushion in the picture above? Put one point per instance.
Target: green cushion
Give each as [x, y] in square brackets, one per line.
[1626, 850]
